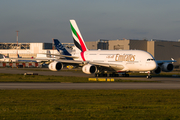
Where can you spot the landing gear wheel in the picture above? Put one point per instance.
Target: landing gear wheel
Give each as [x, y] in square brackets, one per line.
[113, 75]
[125, 75]
[100, 75]
[149, 77]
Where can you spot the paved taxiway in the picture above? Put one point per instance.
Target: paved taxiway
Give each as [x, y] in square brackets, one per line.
[163, 82]
[44, 71]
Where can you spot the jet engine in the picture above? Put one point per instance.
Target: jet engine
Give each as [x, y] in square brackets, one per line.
[158, 70]
[55, 66]
[167, 67]
[89, 69]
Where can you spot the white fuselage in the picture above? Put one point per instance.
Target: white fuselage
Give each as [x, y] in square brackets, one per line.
[131, 60]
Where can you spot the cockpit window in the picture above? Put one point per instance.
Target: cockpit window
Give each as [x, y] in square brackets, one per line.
[150, 59]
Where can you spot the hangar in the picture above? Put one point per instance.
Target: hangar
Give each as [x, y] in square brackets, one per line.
[26, 50]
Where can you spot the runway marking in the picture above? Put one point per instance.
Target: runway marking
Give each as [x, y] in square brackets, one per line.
[101, 79]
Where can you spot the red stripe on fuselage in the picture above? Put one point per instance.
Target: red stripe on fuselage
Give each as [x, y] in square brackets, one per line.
[81, 43]
[82, 46]
[82, 56]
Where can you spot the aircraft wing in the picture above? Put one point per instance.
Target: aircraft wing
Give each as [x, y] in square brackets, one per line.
[68, 56]
[77, 62]
[33, 59]
[105, 65]
[159, 62]
[115, 67]
[46, 59]
[70, 61]
[108, 65]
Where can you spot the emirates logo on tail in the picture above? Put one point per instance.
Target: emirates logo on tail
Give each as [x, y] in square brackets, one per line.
[78, 40]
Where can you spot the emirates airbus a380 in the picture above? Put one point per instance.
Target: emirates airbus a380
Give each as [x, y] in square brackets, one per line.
[102, 62]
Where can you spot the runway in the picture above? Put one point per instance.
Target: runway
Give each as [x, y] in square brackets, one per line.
[162, 82]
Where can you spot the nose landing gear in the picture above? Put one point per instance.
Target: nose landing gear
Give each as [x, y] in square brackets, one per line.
[149, 75]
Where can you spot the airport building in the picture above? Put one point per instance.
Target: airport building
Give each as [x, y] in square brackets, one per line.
[160, 49]
[26, 50]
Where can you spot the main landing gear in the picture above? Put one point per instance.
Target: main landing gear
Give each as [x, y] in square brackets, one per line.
[101, 75]
[106, 75]
[125, 75]
[110, 75]
[117, 75]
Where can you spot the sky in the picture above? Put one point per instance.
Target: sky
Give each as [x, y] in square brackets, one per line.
[42, 20]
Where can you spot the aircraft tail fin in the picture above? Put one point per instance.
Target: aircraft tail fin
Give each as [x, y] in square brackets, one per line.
[59, 47]
[77, 37]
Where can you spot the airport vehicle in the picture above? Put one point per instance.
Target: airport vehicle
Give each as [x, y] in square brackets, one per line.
[102, 62]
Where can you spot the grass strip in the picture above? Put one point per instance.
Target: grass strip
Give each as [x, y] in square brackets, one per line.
[90, 104]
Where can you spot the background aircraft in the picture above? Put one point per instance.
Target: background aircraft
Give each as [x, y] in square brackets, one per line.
[4, 58]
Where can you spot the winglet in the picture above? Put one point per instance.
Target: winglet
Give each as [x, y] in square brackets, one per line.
[173, 60]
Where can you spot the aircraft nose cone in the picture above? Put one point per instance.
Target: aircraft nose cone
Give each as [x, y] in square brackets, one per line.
[154, 65]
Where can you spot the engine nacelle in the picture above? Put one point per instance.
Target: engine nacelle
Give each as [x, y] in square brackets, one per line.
[167, 67]
[158, 70]
[89, 69]
[55, 66]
